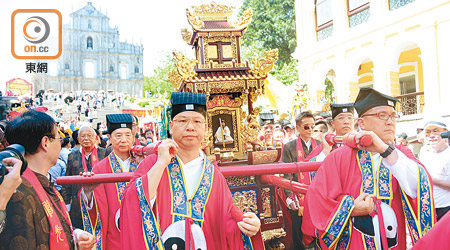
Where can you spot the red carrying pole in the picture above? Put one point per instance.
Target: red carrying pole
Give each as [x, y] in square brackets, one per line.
[244, 170]
[284, 183]
[96, 178]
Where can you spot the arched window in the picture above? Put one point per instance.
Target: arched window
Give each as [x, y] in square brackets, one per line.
[324, 18]
[89, 25]
[67, 66]
[358, 12]
[136, 69]
[90, 43]
[111, 68]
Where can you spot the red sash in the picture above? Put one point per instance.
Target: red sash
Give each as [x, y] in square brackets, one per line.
[58, 238]
[301, 156]
[93, 160]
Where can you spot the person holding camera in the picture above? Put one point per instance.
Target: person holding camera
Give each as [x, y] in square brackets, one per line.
[10, 182]
[437, 162]
[36, 214]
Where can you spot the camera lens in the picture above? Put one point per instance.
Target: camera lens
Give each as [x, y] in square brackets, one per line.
[15, 151]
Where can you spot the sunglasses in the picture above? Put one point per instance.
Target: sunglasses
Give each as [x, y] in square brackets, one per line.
[308, 127]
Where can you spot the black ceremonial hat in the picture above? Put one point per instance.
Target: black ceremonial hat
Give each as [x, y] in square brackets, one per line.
[187, 101]
[336, 109]
[368, 98]
[116, 121]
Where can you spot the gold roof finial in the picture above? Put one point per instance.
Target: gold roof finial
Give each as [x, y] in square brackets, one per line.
[244, 20]
[185, 68]
[212, 10]
[264, 65]
[186, 35]
[195, 21]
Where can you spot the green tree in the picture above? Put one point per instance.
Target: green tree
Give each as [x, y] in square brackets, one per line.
[272, 26]
[329, 89]
[159, 80]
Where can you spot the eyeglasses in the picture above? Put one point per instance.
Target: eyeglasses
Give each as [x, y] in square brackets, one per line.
[184, 122]
[52, 137]
[87, 136]
[308, 127]
[343, 118]
[385, 116]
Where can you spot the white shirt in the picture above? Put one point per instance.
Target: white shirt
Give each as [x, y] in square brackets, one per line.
[192, 172]
[438, 165]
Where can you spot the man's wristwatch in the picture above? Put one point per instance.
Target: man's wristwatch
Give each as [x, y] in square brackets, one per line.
[2, 219]
[389, 150]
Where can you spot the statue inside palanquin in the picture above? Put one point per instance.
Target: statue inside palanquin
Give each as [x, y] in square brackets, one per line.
[223, 133]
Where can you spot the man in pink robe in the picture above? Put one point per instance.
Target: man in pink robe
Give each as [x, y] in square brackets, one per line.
[360, 198]
[100, 204]
[178, 199]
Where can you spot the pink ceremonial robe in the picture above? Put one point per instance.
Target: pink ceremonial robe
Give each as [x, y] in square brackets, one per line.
[219, 228]
[329, 201]
[437, 238]
[106, 205]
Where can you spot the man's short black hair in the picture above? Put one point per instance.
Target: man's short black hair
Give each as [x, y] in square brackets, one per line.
[75, 136]
[304, 114]
[29, 128]
[149, 130]
[65, 141]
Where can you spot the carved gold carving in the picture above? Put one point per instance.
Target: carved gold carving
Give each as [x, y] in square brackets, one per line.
[271, 220]
[227, 86]
[275, 244]
[212, 10]
[175, 79]
[264, 65]
[189, 85]
[251, 129]
[266, 156]
[224, 101]
[266, 206]
[201, 87]
[272, 234]
[186, 35]
[207, 141]
[193, 20]
[222, 66]
[244, 20]
[252, 83]
[235, 181]
[185, 68]
[246, 200]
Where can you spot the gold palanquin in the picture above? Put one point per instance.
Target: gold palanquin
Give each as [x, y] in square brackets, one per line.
[229, 83]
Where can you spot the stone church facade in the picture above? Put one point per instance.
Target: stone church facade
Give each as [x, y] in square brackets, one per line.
[93, 58]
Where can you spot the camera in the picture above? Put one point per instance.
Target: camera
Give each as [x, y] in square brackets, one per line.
[15, 151]
[445, 135]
